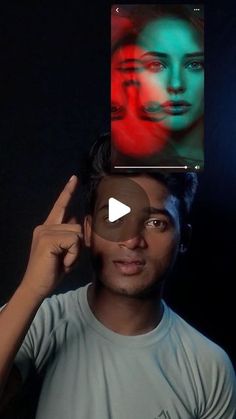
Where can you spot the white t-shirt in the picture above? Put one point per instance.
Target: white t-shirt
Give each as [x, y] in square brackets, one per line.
[91, 372]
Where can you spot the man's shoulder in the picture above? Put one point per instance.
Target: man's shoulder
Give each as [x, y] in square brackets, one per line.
[63, 298]
[208, 366]
[197, 346]
[62, 306]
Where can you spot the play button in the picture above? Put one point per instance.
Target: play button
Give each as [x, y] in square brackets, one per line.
[121, 208]
[116, 209]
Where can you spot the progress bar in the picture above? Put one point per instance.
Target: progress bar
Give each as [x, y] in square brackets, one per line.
[150, 167]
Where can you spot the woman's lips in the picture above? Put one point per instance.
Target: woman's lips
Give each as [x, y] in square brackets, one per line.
[171, 107]
[129, 267]
[176, 107]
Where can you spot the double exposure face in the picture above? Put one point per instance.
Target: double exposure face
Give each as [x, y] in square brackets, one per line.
[157, 85]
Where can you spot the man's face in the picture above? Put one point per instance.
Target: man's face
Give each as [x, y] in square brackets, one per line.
[136, 265]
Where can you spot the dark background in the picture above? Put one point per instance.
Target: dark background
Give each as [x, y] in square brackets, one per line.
[55, 100]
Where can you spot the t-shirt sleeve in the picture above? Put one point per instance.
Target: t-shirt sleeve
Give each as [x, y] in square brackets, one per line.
[37, 345]
[221, 393]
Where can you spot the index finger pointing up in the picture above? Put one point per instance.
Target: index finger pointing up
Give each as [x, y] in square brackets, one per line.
[57, 214]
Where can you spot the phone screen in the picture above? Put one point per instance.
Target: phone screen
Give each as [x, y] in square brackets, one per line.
[157, 87]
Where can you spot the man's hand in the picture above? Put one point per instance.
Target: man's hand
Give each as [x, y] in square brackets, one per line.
[55, 246]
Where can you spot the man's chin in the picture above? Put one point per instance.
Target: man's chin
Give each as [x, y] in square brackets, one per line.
[132, 287]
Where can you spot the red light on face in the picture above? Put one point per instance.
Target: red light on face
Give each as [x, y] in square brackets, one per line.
[136, 111]
[138, 138]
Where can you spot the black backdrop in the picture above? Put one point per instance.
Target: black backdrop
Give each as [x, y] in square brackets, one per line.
[55, 91]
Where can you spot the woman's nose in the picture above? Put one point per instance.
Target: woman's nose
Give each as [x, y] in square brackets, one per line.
[176, 81]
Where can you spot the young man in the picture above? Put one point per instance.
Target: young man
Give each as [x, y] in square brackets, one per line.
[113, 349]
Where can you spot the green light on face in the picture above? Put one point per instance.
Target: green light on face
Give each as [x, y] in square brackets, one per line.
[174, 60]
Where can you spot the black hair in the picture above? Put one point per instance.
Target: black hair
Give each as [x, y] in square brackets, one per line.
[182, 185]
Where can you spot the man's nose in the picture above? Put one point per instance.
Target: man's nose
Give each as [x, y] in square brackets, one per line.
[176, 81]
[138, 241]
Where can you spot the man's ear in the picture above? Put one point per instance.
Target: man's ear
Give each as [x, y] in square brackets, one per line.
[87, 230]
[186, 235]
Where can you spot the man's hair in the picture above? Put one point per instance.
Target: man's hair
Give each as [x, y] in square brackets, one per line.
[181, 185]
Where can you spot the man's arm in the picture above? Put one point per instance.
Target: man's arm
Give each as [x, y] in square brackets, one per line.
[220, 393]
[54, 250]
[15, 320]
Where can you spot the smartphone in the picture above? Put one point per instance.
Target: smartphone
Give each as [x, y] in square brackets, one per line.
[157, 87]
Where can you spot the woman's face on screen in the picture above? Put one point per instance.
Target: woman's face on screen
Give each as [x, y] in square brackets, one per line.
[157, 86]
[166, 66]
[174, 63]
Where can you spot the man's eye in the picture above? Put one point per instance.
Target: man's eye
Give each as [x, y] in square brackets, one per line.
[154, 66]
[161, 225]
[116, 222]
[195, 65]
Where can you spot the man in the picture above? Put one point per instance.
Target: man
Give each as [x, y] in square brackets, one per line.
[113, 349]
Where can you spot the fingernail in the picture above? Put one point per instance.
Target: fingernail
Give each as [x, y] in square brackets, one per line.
[72, 177]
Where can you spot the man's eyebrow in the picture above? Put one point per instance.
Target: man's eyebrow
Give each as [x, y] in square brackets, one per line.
[162, 211]
[103, 207]
[148, 211]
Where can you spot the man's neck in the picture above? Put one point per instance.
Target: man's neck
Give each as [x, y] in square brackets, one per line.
[122, 314]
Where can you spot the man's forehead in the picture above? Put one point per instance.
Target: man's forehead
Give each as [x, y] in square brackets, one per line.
[122, 185]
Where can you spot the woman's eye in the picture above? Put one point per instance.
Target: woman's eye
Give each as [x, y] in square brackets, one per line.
[115, 108]
[156, 223]
[151, 107]
[154, 66]
[117, 111]
[130, 69]
[195, 65]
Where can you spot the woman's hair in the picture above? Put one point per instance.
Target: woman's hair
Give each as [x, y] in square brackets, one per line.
[141, 15]
[144, 13]
[182, 185]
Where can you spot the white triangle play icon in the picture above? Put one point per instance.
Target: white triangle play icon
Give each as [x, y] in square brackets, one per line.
[116, 209]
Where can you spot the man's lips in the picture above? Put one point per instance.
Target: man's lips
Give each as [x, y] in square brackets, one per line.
[129, 266]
